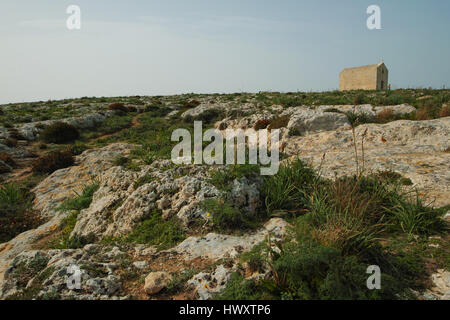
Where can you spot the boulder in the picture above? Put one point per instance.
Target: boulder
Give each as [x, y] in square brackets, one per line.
[305, 121]
[156, 281]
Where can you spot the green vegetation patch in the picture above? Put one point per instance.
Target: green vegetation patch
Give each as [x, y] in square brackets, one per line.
[159, 232]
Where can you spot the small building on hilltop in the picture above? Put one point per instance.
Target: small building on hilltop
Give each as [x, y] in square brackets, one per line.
[372, 77]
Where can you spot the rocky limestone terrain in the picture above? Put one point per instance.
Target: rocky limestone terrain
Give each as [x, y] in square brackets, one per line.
[111, 268]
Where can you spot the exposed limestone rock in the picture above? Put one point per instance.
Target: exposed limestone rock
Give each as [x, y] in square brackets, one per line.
[30, 131]
[218, 246]
[156, 281]
[58, 187]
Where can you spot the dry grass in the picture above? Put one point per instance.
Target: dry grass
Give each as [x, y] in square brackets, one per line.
[385, 116]
[445, 111]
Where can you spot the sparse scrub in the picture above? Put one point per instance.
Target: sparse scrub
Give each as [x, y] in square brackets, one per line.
[6, 158]
[157, 231]
[224, 216]
[119, 108]
[223, 177]
[16, 214]
[385, 116]
[289, 188]
[59, 132]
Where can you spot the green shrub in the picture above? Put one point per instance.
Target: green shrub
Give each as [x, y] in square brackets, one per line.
[357, 119]
[53, 161]
[16, 214]
[306, 270]
[59, 132]
[224, 216]
[159, 232]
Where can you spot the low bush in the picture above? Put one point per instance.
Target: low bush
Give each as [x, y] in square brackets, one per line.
[385, 116]
[59, 132]
[223, 177]
[445, 111]
[157, 231]
[357, 119]
[118, 107]
[53, 161]
[278, 123]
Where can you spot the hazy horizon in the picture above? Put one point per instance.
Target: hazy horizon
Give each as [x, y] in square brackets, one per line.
[161, 48]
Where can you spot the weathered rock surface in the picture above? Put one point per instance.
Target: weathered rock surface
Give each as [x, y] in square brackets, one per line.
[58, 187]
[217, 246]
[416, 149]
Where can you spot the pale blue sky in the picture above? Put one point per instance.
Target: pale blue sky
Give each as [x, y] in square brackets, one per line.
[138, 47]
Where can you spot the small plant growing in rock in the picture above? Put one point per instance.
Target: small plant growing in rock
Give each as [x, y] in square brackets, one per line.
[224, 216]
[191, 104]
[11, 142]
[59, 132]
